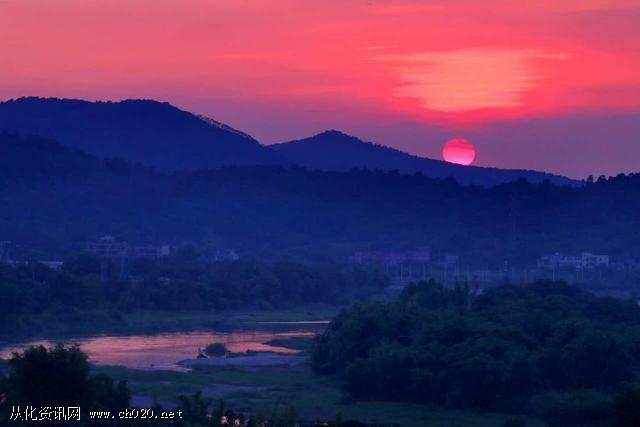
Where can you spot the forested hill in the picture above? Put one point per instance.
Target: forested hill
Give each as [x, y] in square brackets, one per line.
[152, 133]
[55, 199]
[336, 151]
[168, 139]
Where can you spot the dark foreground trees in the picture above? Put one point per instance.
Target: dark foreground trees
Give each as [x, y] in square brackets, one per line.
[43, 385]
[58, 377]
[548, 349]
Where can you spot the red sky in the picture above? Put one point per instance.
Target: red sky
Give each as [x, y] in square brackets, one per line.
[404, 73]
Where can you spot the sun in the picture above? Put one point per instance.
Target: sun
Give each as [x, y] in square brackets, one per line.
[459, 151]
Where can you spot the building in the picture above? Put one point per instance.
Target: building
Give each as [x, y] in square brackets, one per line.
[225, 254]
[108, 247]
[585, 260]
[153, 252]
[626, 264]
[54, 265]
[590, 260]
[420, 255]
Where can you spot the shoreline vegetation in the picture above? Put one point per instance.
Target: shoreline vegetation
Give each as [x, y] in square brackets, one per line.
[461, 343]
[292, 395]
[150, 322]
[174, 294]
[547, 350]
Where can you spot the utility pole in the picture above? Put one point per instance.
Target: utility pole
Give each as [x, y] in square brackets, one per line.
[107, 249]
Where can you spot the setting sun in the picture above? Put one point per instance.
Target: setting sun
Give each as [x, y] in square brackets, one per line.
[459, 151]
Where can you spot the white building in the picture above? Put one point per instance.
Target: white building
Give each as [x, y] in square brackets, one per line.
[225, 254]
[585, 260]
[154, 252]
[590, 260]
[419, 255]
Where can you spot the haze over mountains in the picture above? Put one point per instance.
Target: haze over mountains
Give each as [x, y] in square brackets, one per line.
[168, 139]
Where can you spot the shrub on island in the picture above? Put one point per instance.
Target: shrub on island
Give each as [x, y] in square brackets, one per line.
[216, 349]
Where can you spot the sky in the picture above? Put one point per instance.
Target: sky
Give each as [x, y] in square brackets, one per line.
[549, 85]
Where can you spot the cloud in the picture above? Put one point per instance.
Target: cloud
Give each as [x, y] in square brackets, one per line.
[468, 79]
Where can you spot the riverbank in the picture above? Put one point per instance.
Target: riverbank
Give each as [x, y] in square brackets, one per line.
[82, 323]
[248, 346]
[264, 381]
[251, 389]
[255, 360]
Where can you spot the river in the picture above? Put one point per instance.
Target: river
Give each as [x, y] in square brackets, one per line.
[162, 351]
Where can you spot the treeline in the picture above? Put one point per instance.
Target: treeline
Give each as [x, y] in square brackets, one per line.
[546, 349]
[175, 283]
[54, 199]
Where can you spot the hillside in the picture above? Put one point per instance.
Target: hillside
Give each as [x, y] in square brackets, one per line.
[56, 199]
[336, 151]
[163, 137]
[148, 132]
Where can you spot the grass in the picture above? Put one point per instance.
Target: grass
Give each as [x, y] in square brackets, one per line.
[314, 397]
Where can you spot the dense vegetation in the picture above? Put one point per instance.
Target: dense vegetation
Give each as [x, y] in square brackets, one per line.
[548, 349]
[42, 383]
[55, 200]
[180, 282]
[47, 379]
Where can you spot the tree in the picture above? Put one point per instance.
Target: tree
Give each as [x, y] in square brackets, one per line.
[546, 343]
[194, 409]
[59, 377]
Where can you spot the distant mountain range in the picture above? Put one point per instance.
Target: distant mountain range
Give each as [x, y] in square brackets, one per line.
[335, 151]
[168, 139]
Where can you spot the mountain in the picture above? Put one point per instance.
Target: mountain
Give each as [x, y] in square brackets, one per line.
[161, 136]
[54, 199]
[335, 151]
[148, 132]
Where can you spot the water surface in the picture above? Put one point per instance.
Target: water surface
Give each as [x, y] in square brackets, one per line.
[162, 351]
